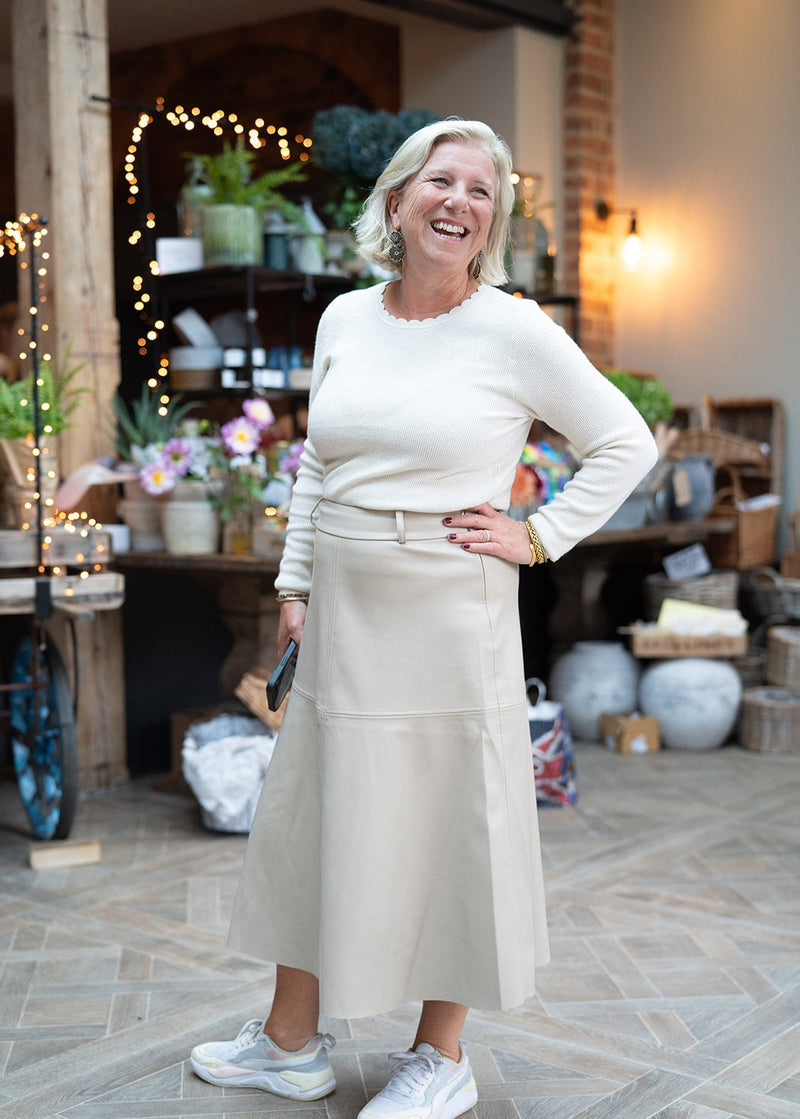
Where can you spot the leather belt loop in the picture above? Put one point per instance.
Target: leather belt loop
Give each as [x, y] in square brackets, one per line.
[401, 526]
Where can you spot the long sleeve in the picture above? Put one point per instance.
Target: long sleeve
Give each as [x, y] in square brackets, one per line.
[298, 553]
[614, 443]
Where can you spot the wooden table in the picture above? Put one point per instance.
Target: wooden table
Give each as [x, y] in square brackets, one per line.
[581, 575]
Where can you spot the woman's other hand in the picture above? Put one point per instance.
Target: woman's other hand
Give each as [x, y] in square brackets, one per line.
[290, 625]
[486, 530]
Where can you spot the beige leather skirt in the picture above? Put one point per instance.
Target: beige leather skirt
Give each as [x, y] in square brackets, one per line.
[395, 851]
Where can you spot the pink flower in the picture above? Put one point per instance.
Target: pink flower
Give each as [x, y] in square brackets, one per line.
[258, 413]
[156, 479]
[177, 457]
[240, 436]
[290, 461]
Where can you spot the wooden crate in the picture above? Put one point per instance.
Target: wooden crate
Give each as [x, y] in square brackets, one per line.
[758, 418]
[650, 642]
[81, 547]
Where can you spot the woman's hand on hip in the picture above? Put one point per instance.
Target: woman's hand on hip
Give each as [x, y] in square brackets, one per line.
[290, 625]
[489, 532]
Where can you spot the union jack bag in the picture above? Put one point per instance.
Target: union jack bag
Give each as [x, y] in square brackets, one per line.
[551, 748]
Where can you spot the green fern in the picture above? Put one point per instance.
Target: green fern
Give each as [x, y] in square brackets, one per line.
[229, 173]
[57, 400]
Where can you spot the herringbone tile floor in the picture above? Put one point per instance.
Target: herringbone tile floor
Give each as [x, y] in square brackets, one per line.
[674, 992]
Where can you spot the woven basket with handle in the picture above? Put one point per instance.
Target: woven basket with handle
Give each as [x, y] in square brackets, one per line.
[753, 540]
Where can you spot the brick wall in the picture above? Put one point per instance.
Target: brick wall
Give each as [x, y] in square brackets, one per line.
[589, 244]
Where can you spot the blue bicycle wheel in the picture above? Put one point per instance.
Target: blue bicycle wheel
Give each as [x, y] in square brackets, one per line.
[43, 743]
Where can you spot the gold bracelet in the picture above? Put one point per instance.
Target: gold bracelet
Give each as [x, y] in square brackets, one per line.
[292, 596]
[537, 551]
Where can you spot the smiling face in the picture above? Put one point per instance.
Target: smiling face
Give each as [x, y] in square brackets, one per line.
[445, 210]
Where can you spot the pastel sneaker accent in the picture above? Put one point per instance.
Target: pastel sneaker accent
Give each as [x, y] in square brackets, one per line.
[253, 1060]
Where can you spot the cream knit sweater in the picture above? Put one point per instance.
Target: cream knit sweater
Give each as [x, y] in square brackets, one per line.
[431, 416]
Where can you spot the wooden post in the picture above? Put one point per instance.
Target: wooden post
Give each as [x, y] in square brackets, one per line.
[63, 173]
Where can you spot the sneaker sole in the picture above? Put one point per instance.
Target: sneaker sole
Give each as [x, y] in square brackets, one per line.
[267, 1083]
[462, 1101]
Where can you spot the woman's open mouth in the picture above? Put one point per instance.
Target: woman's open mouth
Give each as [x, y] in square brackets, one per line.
[450, 231]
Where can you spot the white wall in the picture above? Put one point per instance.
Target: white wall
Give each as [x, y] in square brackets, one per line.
[707, 150]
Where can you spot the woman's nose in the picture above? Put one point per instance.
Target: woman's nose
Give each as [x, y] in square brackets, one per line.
[457, 199]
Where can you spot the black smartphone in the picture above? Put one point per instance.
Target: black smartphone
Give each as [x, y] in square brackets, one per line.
[281, 679]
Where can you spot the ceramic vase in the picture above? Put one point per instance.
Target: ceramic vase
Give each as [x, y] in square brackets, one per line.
[592, 678]
[189, 522]
[695, 700]
[693, 488]
[232, 235]
[140, 512]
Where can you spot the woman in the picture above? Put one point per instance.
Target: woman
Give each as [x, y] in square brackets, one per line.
[395, 854]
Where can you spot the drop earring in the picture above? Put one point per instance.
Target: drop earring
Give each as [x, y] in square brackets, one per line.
[476, 267]
[398, 246]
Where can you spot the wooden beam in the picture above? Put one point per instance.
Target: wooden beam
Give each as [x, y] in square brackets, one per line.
[63, 172]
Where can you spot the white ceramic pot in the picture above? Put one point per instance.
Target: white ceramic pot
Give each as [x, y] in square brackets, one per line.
[695, 700]
[190, 528]
[592, 678]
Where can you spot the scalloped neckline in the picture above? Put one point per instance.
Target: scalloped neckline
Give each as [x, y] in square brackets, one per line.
[387, 316]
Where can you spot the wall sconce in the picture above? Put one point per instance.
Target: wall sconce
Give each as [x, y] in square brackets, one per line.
[632, 248]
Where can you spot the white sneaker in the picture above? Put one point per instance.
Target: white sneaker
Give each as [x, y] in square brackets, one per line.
[253, 1060]
[424, 1085]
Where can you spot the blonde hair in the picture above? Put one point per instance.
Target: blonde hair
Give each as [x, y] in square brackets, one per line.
[373, 226]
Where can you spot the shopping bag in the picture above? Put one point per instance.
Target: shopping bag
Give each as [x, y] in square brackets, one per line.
[551, 748]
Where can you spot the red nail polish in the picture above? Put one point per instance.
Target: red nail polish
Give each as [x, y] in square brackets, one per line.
[466, 547]
[452, 536]
[448, 520]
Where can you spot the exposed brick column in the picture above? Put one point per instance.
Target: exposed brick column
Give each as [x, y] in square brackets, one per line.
[588, 260]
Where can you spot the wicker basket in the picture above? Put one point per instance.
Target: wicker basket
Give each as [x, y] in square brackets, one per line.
[770, 721]
[782, 666]
[773, 596]
[719, 588]
[724, 447]
[753, 540]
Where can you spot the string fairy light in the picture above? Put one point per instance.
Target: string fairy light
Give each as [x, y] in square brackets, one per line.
[219, 123]
[17, 238]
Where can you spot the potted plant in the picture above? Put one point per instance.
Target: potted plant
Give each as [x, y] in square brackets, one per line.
[646, 393]
[245, 474]
[233, 215]
[183, 476]
[58, 399]
[140, 427]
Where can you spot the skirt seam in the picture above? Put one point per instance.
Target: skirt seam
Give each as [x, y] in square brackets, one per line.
[446, 712]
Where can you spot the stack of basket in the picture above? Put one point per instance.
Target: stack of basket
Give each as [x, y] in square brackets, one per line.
[770, 716]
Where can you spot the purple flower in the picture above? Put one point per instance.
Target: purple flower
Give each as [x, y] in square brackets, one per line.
[177, 457]
[156, 479]
[240, 437]
[290, 461]
[259, 413]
